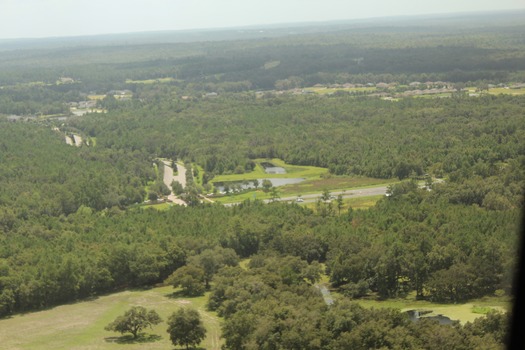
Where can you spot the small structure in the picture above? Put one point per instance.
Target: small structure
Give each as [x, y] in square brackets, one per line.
[417, 315]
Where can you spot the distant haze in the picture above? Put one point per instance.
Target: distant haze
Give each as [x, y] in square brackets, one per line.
[49, 18]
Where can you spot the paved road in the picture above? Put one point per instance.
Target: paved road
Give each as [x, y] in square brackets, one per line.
[309, 198]
[364, 192]
[169, 178]
[69, 140]
[77, 139]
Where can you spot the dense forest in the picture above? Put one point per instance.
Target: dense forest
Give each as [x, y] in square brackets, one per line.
[348, 135]
[72, 224]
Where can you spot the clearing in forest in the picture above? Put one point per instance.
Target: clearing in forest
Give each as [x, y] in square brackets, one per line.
[81, 325]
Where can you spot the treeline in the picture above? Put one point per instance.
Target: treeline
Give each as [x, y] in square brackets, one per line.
[414, 52]
[37, 99]
[272, 306]
[462, 138]
[413, 240]
[321, 63]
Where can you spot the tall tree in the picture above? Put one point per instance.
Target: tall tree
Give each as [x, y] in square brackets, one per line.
[134, 320]
[185, 328]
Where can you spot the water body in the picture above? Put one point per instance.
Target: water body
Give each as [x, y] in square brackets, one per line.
[248, 184]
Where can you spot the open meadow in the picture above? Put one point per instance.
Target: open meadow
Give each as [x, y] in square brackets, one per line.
[80, 326]
[462, 312]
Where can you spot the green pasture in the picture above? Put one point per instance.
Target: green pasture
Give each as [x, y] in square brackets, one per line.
[333, 183]
[241, 197]
[313, 185]
[354, 203]
[497, 91]
[361, 202]
[80, 326]
[465, 312]
[292, 171]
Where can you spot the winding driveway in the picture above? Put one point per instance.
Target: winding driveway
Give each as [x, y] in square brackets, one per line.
[169, 177]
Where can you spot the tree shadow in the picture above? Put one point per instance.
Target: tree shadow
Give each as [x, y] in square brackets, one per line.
[128, 339]
[180, 294]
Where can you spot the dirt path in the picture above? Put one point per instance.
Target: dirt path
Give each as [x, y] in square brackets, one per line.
[213, 331]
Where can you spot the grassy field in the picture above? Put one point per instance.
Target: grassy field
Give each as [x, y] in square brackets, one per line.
[354, 203]
[316, 181]
[313, 187]
[333, 183]
[466, 312]
[80, 326]
[292, 171]
[497, 91]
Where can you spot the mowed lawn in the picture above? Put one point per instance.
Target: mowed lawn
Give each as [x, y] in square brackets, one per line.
[292, 171]
[81, 325]
[316, 181]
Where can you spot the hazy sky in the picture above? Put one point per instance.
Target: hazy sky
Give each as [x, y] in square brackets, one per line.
[44, 18]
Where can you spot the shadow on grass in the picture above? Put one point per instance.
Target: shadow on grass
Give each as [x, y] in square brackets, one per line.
[178, 294]
[128, 339]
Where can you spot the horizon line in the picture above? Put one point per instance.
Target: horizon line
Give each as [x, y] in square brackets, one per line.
[264, 25]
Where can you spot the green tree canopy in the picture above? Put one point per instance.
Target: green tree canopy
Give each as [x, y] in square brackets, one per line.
[185, 328]
[134, 320]
[190, 278]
